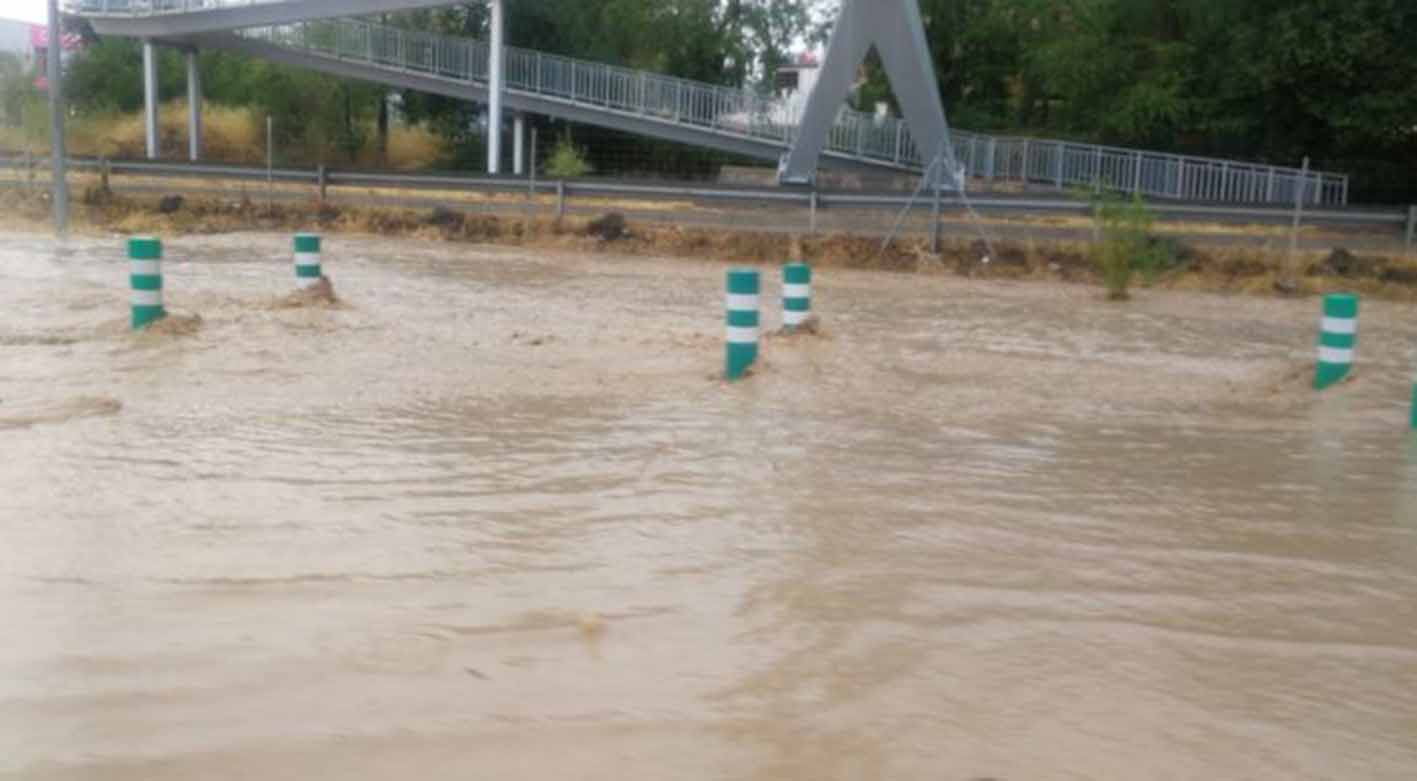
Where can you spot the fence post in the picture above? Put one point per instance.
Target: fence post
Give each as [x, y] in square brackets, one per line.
[1269, 188]
[270, 165]
[1136, 188]
[1411, 227]
[993, 152]
[935, 221]
[104, 169]
[560, 199]
[1025, 161]
[1096, 167]
[1287, 277]
[531, 170]
[899, 140]
[1058, 172]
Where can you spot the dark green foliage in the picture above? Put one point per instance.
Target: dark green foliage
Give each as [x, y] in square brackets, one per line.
[1264, 80]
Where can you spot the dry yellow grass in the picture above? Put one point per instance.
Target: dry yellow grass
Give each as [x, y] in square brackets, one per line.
[229, 135]
[409, 148]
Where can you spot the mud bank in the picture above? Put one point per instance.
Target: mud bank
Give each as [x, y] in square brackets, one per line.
[1242, 270]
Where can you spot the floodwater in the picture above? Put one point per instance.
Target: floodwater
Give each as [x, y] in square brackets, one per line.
[496, 518]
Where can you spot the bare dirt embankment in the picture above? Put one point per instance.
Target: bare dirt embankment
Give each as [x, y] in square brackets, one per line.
[1244, 270]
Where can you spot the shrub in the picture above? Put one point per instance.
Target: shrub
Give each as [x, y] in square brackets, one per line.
[1125, 246]
[567, 160]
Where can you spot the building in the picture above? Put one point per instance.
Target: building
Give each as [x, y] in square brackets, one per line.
[30, 42]
[15, 39]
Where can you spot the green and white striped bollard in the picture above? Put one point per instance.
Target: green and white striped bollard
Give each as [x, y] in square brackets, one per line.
[796, 294]
[1337, 338]
[307, 260]
[145, 280]
[744, 286]
[1414, 403]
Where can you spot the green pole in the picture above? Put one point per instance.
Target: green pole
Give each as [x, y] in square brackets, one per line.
[1338, 336]
[307, 260]
[796, 294]
[1414, 403]
[744, 286]
[145, 279]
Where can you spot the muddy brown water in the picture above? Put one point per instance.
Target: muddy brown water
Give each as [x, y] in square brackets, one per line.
[494, 517]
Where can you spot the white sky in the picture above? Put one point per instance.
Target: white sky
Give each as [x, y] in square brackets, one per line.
[24, 10]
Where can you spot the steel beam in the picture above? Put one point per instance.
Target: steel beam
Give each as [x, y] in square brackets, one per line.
[895, 28]
[54, 74]
[216, 18]
[194, 107]
[519, 144]
[496, 86]
[150, 97]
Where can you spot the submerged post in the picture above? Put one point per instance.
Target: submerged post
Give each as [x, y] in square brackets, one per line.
[55, 76]
[1337, 339]
[145, 279]
[307, 260]
[744, 286]
[796, 295]
[1414, 402]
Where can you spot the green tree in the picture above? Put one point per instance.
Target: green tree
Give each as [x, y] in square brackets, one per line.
[16, 90]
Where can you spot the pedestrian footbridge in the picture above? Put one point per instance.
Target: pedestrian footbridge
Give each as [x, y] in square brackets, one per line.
[327, 36]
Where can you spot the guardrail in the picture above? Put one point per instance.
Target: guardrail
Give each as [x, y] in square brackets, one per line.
[1398, 222]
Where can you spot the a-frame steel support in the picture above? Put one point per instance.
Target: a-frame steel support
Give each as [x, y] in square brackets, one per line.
[895, 28]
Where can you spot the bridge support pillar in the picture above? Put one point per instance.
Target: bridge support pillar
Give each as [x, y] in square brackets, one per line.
[150, 97]
[497, 56]
[897, 31]
[519, 144]
[194, 108]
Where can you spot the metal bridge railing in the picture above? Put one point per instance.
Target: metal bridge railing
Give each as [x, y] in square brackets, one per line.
[153, 7]
[865, 137]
